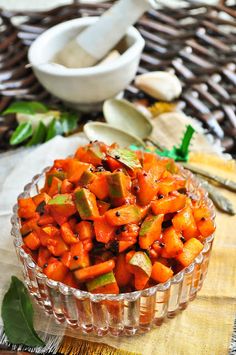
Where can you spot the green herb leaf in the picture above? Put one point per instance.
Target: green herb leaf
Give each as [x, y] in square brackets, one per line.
[38, 135]
[54, 129]
[68, 122]
[22, 132]
[126, 157]
[17, 315]
[29, 108]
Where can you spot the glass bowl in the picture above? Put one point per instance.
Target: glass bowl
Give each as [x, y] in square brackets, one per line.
[123, 314]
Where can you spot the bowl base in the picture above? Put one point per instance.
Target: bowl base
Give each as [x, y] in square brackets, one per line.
[90, 107]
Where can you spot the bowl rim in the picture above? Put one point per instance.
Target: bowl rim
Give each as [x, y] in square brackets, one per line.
[80, 294]
[129, 55]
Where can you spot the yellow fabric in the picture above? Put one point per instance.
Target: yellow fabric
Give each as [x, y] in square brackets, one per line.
[205, 327]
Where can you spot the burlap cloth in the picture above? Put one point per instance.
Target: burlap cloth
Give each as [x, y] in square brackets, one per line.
[205, 327]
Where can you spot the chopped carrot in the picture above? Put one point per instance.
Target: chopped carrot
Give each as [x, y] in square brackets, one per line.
[103, 230]
[32, 241]
[67, 234]
[122, 275]
[160, 272]
[56, 271]
[206, 227]
[168, 204]
[173, 245]
[95, 270]
[191, 249]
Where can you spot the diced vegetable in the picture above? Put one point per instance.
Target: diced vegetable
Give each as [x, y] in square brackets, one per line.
[104, 232]
[141, 260]
[160, 272]
[67, 234]
[118, 184]
[76, 169]
[79, 256]
[173, 244]
[43, 256]
[103, 207]
[86, 178]
[123, 215]
[147, 187]
[27, 208]
[168, 204]
[122, 275]
[85, 230]
[206, 227]
[191, 249]
[55, 187]
[56, 271]
[99, 186]
[86, 204]
[101, 281]
[61, 207]
[32, 241]
[93, 271]
[150, 230]
[184, 222]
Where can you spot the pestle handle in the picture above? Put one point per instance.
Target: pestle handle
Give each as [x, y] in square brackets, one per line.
[97, 40]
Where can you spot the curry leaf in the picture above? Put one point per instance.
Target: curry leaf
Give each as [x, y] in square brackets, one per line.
[54, 128]
[38, 135]
[17, 315]
[25, 107]
[68, 122]
[22, 132]
[126, 157]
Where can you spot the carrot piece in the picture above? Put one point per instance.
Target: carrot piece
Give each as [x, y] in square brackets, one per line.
[56, 271]
[43, 256]
[55, 187]
[113, 164]
[61, 207]
[42, 197]
[103, 207]
[29, 225]
[103, 230]
[150, 230]
[123, 245]
[76, 169]
[140, 279]
[124, 215]
[27, 208]
[148, 187]
[66, 186]
[69, 280]
[67, 234]
[85, 230]
[45, 219]
[190, 251]
[79, 256]
[167, 185]
[107, 289]
[206, 227]
[32, 241]
[92, 154]
[57, 245]
[66, 258]
[94, 271]
[184, 222]
[201, 212]
[99, 186]
[160, 272]
[168, 204]
[122, 275]
[173, 244]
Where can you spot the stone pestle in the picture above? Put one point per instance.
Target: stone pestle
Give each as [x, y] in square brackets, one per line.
[96, 41]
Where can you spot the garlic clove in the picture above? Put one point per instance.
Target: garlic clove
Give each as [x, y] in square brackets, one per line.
[160, 85]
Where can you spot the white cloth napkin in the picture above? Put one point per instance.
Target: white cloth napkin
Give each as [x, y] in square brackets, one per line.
[16, 170]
